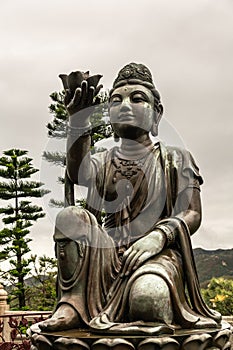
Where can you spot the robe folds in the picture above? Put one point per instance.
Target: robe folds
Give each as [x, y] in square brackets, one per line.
[96, 290]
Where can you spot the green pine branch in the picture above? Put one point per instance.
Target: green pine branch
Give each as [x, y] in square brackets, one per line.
[56, 158]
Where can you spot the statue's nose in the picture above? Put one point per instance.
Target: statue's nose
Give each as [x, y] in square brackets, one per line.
[126, 106]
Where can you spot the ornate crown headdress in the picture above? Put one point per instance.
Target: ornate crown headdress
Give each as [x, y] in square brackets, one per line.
[136, 73]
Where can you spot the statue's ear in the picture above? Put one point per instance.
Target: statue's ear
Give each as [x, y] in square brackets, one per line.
[157, 117]
[159, 112]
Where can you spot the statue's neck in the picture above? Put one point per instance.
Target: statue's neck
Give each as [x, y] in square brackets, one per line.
[134, 149]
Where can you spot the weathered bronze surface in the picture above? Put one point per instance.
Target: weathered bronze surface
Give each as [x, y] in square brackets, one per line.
[135, 274]
[208, 339]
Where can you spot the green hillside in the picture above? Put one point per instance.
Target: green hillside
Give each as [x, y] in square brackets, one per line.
[213, 263]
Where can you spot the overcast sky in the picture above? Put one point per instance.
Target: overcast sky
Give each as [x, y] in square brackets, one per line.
[188, 45]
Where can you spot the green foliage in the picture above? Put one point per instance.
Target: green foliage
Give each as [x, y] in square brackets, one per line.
[18, 216]
[219, 295]
[54, 203]
[40, 285]
[41, 294]
[57, 128]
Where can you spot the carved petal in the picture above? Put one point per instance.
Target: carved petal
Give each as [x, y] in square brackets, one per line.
[94, 80]
[33, 347]
[227, 346]
[33, 329]
[222, 338]
[74, 80]
[64, 79]
[113, 344]
[165, 343]
[197, 342]
[70, 344]
[41, 342]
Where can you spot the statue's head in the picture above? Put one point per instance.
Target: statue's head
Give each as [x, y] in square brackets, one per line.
[135, 104]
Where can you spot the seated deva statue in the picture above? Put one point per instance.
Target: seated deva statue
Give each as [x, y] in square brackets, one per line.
[136, 271]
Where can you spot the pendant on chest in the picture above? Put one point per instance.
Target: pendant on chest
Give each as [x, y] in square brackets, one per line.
[126, 168]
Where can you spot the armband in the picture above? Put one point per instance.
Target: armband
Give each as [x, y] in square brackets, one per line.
[78, 131]
[169, 227]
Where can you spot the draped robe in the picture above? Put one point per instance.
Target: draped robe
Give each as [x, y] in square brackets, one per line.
[96, 290]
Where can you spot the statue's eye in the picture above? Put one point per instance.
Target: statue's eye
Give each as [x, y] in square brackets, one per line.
[115, 100]
[137, 98]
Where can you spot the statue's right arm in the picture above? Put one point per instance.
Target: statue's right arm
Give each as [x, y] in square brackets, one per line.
[78, 158]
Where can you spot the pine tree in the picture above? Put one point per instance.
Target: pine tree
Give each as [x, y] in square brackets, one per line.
[16, 169]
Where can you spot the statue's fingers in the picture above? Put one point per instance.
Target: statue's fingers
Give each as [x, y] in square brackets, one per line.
[98, 88]
[68, 97]
[141, 259]
[91, 92]
[77, 97]
[132, 262]
[126, 254]
[127, 262]
[84, 93]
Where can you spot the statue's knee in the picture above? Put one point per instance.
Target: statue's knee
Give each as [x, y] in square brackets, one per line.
[72, 223]
[150, 299]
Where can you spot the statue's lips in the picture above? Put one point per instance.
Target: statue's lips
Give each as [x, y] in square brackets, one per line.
[126, 117]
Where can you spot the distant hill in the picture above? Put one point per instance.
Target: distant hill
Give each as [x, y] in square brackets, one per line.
[213, 263]
[209, 263]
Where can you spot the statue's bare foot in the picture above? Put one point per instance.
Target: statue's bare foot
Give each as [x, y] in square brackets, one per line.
[64, 318]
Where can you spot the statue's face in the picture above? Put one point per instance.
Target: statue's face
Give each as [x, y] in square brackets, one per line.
[132, 110]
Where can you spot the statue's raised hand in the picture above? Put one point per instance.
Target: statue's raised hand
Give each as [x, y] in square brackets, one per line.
[142, 250]
[81, 90]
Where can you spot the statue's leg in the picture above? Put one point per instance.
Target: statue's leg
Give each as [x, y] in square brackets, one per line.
[150, 300]
[71, 228]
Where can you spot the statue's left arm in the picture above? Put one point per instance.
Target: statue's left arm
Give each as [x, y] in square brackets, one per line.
[165, 232]
[189, 208]
[186, 209]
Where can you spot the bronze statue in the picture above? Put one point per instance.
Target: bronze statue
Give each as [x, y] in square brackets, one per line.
[137, 271]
